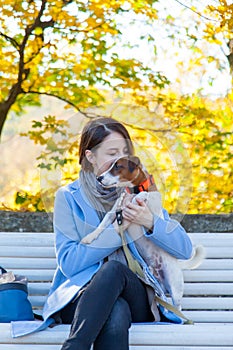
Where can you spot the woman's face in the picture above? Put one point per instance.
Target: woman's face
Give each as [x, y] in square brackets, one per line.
[112, 147]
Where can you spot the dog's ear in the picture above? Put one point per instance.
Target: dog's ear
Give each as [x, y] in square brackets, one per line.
[134, 163]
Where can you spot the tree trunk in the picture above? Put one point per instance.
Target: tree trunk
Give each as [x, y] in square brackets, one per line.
[6, 105]
[4, 109]
[230, 56]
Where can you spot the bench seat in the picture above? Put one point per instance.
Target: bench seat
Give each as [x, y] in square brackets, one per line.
[208, 296]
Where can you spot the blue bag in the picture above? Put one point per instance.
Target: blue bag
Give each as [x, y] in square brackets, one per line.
[14, 303]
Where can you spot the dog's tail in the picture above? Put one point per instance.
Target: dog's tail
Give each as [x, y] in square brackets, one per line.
[196, 259]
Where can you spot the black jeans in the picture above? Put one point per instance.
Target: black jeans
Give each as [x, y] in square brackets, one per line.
[102, 315]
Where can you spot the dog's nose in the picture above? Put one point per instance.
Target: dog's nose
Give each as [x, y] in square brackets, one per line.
[100, 178]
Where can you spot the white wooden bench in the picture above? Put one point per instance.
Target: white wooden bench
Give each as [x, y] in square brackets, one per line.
[208, 296]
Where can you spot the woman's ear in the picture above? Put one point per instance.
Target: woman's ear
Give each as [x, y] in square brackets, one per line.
[90, 157]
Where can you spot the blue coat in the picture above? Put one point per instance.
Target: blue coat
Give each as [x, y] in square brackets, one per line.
[74, 218]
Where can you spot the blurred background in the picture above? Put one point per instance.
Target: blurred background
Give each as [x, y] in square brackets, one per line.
[163, 68]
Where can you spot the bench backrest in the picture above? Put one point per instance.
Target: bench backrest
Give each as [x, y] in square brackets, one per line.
[208, 292]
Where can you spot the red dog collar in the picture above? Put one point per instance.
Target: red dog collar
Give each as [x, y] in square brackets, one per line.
[143, 186]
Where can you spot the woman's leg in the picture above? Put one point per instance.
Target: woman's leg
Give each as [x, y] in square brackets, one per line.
[96, 304]
[115, 333]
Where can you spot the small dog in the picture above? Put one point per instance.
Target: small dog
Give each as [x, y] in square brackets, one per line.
[129, 172]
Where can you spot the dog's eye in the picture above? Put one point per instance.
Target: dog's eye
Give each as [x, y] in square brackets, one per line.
[118, 166]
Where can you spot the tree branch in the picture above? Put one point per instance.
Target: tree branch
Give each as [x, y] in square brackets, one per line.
[22, 72]
[197, 12]
[93, 115]
[12, 40]
[51, 95]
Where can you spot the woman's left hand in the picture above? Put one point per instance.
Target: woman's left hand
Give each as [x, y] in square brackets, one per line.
[138, 214]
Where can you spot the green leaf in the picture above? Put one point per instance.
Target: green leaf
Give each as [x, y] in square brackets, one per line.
[36, 124]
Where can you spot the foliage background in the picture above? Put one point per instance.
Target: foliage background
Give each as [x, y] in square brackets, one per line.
[180, 117]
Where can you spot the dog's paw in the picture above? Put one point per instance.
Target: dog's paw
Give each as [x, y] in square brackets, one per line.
[87, 240]
[141, 195]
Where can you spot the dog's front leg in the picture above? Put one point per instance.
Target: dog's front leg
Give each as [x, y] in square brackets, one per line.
[107, 220]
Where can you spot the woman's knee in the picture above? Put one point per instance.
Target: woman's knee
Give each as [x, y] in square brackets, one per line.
[112, 268]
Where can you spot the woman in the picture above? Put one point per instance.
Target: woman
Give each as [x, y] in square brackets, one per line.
[92, 289]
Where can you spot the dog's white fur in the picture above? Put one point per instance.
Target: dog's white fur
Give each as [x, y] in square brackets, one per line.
[165, 267]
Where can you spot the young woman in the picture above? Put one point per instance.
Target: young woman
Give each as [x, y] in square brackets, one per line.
[93, 289]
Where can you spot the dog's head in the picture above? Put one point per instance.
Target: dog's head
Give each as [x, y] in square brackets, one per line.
[121, 173]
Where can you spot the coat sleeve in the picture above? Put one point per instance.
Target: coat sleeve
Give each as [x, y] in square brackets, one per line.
[169, 235]
[69, 228]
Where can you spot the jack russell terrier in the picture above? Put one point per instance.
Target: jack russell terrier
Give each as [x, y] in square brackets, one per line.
[128, 172]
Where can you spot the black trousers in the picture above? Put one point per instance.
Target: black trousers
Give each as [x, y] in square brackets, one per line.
[102, 315]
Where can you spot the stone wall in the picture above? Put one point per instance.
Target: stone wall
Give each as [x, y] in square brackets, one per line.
[11, 221]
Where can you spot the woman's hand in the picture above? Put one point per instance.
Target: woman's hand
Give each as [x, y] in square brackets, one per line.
[138, 213]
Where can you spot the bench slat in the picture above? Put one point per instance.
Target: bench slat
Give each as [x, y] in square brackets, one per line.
[189, 288]
[47, 239]
[27, 239]
[188, 303]
[133, 347]
[207, 303]
[36, 263]
[28, 252]
[36, 275]
[208, 289]
[29, 347]
[33, 263]
[44, 252]
[211, 239]
[199, 334]
[210, 316]
[39, 288]
[216, 252]
[216, 264]
[189, 276]
[208, 276]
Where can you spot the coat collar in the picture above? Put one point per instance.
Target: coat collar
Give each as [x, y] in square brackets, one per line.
[82, 201]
